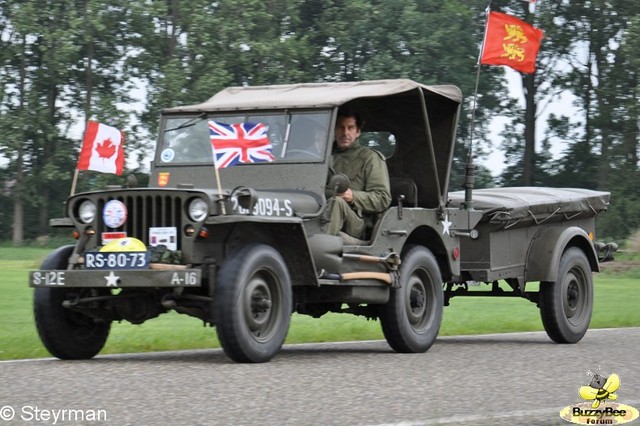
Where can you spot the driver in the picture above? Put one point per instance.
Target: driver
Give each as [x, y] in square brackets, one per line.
[352, 210]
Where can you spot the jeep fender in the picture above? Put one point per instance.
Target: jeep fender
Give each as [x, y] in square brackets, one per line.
[545, 251]
[286, 235]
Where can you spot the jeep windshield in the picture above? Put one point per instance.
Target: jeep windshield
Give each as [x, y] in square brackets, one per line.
[252, 138]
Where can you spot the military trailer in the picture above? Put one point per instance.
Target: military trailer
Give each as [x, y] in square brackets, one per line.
[244, 246]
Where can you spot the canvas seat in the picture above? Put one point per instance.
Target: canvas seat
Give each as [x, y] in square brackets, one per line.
[400, 187]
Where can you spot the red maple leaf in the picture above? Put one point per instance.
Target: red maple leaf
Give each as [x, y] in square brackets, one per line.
[106, 149]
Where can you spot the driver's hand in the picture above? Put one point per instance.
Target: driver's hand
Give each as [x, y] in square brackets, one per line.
[347, 196]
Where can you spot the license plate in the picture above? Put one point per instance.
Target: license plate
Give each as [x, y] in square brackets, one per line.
[117, 260]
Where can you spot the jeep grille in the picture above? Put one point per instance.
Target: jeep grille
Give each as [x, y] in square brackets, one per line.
[144, 212]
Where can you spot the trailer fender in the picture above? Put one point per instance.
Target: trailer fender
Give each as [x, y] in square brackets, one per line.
[546, 248]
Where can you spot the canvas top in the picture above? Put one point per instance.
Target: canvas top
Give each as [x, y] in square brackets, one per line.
[312, 95]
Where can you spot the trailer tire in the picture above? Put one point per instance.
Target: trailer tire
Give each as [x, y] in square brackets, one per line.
[253, 303]
[65, 333]
[566, 304]
[412, 317]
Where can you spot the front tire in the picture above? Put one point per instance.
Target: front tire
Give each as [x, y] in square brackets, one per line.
[253, 302]
[412, 317]
[65, 333]
[566, 305]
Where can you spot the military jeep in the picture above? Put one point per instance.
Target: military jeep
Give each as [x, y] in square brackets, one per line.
[240, 243]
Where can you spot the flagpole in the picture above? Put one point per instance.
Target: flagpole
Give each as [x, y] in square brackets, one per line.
[73, 183]
[218, 184]
[76, 173]
[475, 91]
[469, 175]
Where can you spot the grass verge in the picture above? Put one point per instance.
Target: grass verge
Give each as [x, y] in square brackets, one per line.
[616, 301]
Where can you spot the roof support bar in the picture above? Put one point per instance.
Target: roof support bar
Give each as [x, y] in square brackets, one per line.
[432, 155]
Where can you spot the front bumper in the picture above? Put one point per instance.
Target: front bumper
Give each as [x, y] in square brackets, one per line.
[116, 278]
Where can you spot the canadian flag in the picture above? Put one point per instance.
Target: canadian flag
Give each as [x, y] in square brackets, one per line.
[102, 149]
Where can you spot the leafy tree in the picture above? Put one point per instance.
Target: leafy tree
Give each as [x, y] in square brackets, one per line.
[360, 41]
[524, 160]
[586, 52]
[603, 144]
[62, 59]
[63, 62]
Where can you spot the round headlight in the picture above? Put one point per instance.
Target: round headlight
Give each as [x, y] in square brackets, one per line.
[87, 211]
[198, 210]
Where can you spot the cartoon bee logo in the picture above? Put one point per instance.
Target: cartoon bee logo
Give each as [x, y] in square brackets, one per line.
[600, 389]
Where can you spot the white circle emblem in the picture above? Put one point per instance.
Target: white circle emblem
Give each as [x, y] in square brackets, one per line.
[114, 214]
[167, 155]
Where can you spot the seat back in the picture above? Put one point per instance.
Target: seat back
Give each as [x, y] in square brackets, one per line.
[403, 186]
[398, 186]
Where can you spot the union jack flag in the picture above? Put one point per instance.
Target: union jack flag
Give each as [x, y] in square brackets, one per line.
[240, 143]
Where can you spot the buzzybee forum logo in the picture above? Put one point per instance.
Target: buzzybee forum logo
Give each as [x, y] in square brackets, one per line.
[599, 407]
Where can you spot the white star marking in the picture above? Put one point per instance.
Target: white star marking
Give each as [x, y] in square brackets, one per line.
[446, 225]
[112, 279]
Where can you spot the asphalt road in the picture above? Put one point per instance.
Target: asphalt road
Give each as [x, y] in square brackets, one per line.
[504, 379]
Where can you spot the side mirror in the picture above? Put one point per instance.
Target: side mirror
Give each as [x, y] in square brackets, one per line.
[339, 182]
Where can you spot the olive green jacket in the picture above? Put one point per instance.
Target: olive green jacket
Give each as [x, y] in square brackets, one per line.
[368, 175]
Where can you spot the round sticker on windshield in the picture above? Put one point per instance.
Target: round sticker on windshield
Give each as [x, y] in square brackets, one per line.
[167, 155]
[114, 214]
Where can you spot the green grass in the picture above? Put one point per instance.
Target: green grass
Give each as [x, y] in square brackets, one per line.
[616, 305]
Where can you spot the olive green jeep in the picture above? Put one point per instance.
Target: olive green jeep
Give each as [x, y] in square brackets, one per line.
[240, 243]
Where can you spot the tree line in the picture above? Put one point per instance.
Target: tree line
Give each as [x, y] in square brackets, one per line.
[122, 61]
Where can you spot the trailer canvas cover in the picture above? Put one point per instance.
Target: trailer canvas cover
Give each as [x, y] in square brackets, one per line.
[534, 203]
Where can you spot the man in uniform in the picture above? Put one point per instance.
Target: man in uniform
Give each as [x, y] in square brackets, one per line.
[369, 191]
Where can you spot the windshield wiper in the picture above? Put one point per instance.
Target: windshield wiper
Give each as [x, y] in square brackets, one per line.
[188, 123]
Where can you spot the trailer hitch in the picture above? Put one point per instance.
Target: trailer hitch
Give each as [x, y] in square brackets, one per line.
[605, 251]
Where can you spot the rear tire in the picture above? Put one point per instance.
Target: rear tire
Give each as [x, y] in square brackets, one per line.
[566, 305]
[412, 317]
[253, 303]
[65, 333]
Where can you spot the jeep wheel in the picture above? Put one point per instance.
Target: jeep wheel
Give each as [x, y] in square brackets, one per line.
[65, 333]
[253, 303]
[411, 318]
[566, 304]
